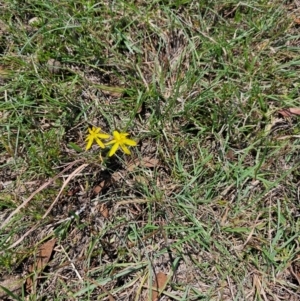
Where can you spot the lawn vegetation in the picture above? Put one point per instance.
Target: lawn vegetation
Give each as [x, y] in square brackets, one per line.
[206, 206]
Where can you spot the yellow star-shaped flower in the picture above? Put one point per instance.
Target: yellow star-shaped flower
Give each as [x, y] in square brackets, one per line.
[95, 134]
[120, 140]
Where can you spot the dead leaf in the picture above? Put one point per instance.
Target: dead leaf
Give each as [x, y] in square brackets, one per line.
[230, 155]
[73, 191]
[104, 184]
[141, 180]
[104, 211]
[296, 20]
[144, 162]
[45, 252]
[116, 176]
[43, 256]
[289, 112]
[13, 284]
[149, 162]
[159, 284]
[97, 189]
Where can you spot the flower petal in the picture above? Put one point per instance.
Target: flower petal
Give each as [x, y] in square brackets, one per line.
[111, 142]
[89, 144]
[113, 149]
[116, 135]
[129, 142]
[123, 135]
[125, 149]
[100, 143]
[103, 136]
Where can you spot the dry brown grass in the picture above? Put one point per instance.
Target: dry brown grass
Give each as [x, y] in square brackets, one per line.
[207, 205]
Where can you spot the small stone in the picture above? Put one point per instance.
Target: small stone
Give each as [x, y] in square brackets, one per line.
[54, 66]
[35, 21]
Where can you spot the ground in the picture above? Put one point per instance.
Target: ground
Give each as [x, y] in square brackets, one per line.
[205, 206]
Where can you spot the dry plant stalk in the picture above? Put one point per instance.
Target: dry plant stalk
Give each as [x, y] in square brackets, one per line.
[49, 182]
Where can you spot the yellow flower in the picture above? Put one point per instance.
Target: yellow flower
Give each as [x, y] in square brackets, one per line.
[120, 139]
[95, 134]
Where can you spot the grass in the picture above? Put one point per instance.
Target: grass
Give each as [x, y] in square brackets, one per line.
[208, 200]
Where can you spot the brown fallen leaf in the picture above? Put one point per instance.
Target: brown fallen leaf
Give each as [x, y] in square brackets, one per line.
[105, 183]
[45, 251]
[42, 258]
[97, 189]
[144, 162]
[104, 211]
[159, 284]
[230, 155]
[289, 112]
[73, 191]
[11, 283]
[149, 162]
[296, 20]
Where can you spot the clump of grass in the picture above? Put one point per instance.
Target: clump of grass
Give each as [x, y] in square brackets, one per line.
[208, 195]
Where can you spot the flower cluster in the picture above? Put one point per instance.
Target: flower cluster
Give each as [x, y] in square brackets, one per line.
[119, 140]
